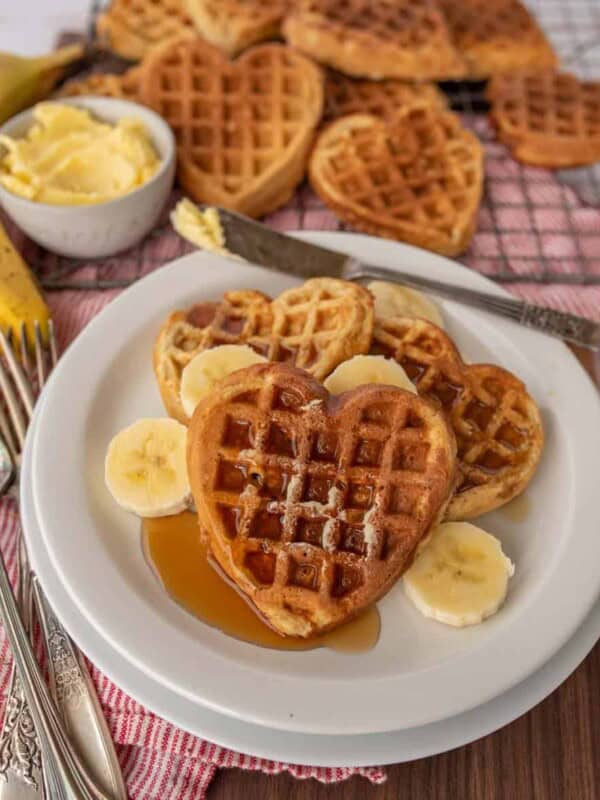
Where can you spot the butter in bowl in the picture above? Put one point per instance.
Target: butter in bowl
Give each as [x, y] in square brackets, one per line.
[86, 177]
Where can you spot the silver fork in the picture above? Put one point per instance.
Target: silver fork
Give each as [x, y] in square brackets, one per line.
[70, 683]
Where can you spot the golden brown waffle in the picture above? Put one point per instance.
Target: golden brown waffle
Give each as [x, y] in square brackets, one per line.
[377, 39]
[132, 28]
[496, 36]
[314, 505]
[497, 424]
[549, 119]
[345, 96]
[315, 326]
[124, 87]
[243, 128]
[417, 178]
[234, 25]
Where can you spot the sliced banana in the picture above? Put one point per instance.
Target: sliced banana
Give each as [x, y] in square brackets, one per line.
[392, 300]
[211, 366]
[145, 468]
[461, 575]
[367, 369]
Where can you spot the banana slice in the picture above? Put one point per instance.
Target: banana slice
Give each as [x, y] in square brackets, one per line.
[211, 366]
[461, 575]
[145, 468]
[392, 300]
[367, 369]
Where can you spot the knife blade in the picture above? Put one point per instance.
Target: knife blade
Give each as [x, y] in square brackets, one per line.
[261, 245]
[268, 248]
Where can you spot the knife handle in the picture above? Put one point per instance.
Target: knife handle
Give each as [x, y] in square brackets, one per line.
[569, 327]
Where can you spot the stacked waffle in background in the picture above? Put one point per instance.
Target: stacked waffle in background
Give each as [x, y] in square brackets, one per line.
[375, 137]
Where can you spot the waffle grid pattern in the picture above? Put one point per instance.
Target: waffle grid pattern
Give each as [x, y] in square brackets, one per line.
[489, 409]
[434, 193]
[534, 227]
[508, 25]
[326, 505]
[300, 327]
[555, 106]
[227, 156]
[412, 23]
[135, 26]
[345, 96]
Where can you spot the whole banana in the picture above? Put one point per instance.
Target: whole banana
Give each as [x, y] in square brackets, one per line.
[24, 81]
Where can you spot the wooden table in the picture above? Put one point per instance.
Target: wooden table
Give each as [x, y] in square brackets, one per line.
[551, 753]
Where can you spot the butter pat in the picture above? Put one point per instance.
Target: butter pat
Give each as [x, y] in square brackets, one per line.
[201, 227]
[70, 158]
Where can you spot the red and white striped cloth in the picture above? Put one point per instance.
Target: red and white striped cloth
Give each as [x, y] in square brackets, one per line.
[160, 761]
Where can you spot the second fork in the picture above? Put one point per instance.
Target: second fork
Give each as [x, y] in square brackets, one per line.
[70, 682]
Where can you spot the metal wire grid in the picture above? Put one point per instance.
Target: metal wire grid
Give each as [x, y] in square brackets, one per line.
[574, 29]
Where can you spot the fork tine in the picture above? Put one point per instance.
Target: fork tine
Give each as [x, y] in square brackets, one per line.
[24, 350]
[39, 355]
[20, 378]
[14, 410]
[53, 347]
[8, 435]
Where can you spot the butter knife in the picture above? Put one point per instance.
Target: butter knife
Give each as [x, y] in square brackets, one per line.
[268, 248]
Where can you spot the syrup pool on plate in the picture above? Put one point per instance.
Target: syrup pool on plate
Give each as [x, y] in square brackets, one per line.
[178, 556]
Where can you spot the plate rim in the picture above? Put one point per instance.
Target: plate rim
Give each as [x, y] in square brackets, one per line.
[573, 652]
[280, 686]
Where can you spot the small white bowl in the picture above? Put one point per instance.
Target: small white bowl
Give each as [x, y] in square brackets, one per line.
[94, 231]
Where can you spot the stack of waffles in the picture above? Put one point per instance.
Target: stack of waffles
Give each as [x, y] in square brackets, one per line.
[350, 100]
[315, 505]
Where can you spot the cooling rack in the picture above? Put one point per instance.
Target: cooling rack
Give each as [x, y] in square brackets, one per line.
[535, 226]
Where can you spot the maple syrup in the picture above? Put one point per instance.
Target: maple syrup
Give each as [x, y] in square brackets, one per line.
[518, 509]
[178, 556]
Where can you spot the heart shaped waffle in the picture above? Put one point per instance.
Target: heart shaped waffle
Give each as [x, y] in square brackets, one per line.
[314, 505]
[376, 38]
[132, 28]
[315, 326]
[417, 178]
[497, 424]
[234, 25]
[548, 119]
[243, 128]
[345, 96]
[497, 36]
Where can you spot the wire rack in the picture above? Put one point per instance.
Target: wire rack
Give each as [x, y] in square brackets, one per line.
[534, 226]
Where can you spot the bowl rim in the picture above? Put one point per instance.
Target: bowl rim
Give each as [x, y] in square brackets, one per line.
[166, 165]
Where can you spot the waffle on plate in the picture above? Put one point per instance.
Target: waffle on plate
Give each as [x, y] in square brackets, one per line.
[497, 424]
[416, 178]
[243, 128]
[315, 505]
[315, 326]
[375, 38]
[132, 28]
[548, 119]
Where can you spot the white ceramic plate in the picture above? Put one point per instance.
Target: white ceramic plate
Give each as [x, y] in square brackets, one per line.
[327, 751]
[420, 671]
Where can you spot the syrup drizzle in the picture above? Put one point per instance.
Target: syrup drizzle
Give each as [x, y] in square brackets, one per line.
[178, 556]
